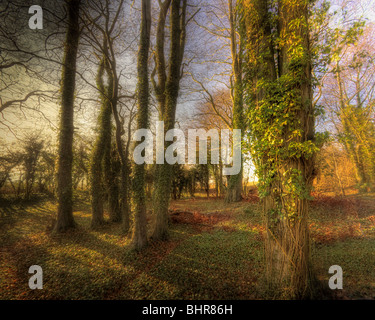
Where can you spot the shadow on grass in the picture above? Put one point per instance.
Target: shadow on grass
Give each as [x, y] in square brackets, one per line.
[86, 264]
[224, 263]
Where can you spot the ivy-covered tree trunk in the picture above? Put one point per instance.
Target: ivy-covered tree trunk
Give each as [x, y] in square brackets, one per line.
[234, 190]
[65, 218]
[102, 144]
[159, 194]
[139, 240]
[112, 171]
[168, 95]
[123, 156]
[288, 244]
[282, 127]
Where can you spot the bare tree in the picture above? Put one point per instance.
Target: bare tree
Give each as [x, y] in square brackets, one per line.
[29, 61]
[103, 22]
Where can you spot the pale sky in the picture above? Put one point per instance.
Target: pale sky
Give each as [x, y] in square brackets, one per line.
[19, 123]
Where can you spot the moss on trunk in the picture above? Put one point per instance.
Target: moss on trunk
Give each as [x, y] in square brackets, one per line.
[139, 239]
[65, 218]
[168, 104]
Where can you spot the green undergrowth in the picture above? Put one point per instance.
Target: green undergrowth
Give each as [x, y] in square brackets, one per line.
[215, 251]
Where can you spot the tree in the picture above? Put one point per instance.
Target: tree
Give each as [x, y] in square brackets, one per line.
[103, 29]
[348, 94]
[81, 163]
[102, 144]
[123, 153]
[8, 161]
[180, 181]
[215, 113]
[32, 148]
[112, 172]
[234, 189]
[65, 218]
[282, 131]
[28, 63]
[204, 178]
[224, 25]
[335, 169]
[167, 91]
[139, 240]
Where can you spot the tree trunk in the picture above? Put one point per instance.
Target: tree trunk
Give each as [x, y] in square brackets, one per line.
[122, 153]
[111, 173]
[65, 218]
[164, 171]
[285, 177]
[103, 142]
[234, 191]
[287, 242]
[139, 240]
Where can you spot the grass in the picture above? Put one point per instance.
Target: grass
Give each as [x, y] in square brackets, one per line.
[215, 252]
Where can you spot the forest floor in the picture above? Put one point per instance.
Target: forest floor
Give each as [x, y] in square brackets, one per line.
[215, 252]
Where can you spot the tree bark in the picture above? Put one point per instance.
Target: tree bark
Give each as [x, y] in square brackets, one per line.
[65, 218]
[103, 142]
[287, 242]
[111, 173]
[286, 178]
[139, 240]
[111, 69]
[163, 181]
[234, 190]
